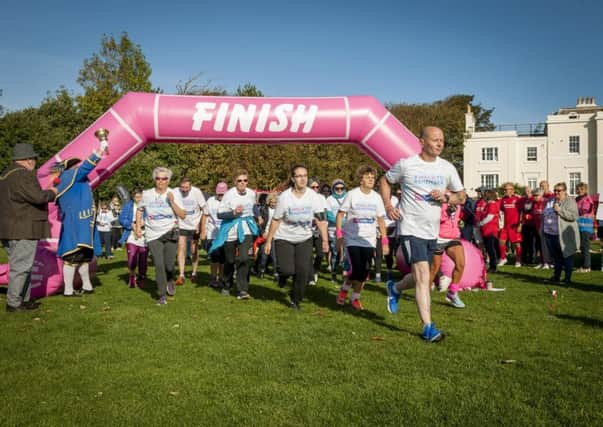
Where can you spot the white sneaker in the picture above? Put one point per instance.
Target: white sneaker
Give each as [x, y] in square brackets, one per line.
[546, 266]
[517, 264]
[502, 261]
[539, 266]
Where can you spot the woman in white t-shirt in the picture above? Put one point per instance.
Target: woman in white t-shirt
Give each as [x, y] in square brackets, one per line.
[363, 207]
[162, 207]
[210, 224]
[291, 230]
[104, 219]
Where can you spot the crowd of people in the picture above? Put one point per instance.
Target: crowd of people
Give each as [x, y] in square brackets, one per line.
[541, 228]
[419, 205]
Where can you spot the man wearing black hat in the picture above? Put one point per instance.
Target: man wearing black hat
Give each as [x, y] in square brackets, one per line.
[24, 221]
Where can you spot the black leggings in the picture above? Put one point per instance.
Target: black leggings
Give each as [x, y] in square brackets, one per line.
[360, 259]
[295, 259]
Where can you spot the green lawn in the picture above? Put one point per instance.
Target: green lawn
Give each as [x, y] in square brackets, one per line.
[114, 358]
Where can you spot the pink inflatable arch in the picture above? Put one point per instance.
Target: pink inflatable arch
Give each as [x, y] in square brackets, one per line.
[141, 118]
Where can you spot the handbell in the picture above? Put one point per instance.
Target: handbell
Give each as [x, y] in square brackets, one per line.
[102, 134]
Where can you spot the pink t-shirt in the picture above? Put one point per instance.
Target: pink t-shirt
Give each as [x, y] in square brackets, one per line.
[449, 222]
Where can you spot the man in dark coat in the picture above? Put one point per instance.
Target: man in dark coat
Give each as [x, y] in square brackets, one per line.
[23, 221]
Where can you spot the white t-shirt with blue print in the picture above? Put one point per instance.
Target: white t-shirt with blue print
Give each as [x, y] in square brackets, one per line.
[362, 210]
[417, 178]
[296, 215]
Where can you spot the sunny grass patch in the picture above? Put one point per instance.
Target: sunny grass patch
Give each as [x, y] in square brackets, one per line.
[115, 358]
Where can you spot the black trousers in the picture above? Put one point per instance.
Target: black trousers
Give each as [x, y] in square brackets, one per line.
[528, 244]
[295, 259]
[491, 243]
[236, 255]
[318, 253]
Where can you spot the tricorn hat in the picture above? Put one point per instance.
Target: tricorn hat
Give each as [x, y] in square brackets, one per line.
[22, 151]
[65, 164]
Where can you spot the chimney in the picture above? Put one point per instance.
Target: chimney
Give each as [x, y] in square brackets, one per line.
[469, 120]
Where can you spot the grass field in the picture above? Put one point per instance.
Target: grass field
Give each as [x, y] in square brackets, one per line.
[114, 358]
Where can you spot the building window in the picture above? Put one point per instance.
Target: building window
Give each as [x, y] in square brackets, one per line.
[490, 154]
[574, 144]
[532, 154]
[532, 183]
[574, 180]
[489, 180]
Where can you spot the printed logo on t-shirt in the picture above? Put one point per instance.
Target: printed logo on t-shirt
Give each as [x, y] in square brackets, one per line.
[434, 180]
[299, 215]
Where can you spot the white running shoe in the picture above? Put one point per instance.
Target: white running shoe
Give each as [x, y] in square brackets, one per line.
[539, 266]
[517, 264]
[502, 261]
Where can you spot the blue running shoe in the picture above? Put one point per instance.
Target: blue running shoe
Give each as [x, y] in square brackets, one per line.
[453, 298]
[431, 333]
[392, 297]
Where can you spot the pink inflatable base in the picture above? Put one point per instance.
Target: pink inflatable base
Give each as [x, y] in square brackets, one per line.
[46, 274]
[473, 275]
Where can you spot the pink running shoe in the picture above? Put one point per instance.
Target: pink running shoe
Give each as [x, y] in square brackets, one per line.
[341, 297]
[357, 305]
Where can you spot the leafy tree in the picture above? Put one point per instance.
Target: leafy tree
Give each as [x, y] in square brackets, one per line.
[449, 115]
[48, 128]
[248, 90]
[118, 68]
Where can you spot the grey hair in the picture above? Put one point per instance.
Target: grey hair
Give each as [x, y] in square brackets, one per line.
[161, 169]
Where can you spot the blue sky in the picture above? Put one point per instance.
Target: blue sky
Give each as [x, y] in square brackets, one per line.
[524, 58]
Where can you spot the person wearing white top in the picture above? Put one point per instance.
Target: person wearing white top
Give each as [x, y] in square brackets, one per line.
[104, 219]
[136, 247]
[189, 228]
[291, 230]
[237, 207]
[266, 213]
[163, 207]
[425, 180]
[364, 209]
[316, 239]
[210, 224]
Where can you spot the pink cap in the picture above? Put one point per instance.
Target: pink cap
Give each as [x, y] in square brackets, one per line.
[221, 188]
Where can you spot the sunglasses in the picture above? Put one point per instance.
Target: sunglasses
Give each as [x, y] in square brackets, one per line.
[338, 188]
[242, 180]
[161, 178]
[558, 191]
[314, 186]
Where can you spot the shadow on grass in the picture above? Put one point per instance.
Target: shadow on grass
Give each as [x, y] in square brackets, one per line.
[588, 321]
[526, 278]
[321, 296]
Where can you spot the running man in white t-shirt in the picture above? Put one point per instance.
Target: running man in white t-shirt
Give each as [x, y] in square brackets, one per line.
[364, 209]
[291, 229]
[189, 228]
[424, 180]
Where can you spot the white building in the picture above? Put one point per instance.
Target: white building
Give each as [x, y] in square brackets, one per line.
[567, 148]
